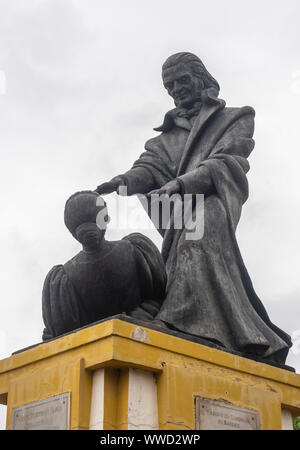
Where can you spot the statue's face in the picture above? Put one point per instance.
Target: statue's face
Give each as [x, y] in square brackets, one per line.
[182, 85]
[89, 235]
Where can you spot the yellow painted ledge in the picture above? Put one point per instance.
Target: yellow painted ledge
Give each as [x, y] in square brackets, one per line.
[157, 339]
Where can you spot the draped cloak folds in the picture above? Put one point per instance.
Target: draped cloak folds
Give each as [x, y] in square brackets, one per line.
[209, 291]
[128, 275]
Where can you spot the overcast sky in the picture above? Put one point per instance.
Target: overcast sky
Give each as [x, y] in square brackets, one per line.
[83, 93]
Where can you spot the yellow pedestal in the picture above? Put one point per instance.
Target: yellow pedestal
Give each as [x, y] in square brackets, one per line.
[121, 376]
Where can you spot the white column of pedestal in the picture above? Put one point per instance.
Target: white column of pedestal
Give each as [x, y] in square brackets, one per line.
[97, 403]
[286, 420]
[142, 400]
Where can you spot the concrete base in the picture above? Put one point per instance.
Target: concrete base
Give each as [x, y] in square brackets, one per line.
[123, 375]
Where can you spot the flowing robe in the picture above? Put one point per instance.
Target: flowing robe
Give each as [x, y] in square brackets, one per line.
[127, 275]
[209, 291]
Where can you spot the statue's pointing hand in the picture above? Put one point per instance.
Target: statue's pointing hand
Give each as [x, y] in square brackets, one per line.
[110, 186]
[170, 188]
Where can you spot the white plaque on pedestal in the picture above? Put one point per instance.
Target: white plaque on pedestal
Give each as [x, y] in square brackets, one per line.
[215, 415]
[49, 414]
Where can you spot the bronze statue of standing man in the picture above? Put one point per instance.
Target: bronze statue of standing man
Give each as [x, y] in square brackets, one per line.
[203, 149]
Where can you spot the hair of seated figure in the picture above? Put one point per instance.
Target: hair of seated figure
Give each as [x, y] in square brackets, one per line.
[83, 208]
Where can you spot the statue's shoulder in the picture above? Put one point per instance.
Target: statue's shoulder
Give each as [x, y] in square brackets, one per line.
[237, 111]
[76, 259]
[118, 249]
[54, 275]
[136, 238]
[55, 269]
[153, 142]
[231, 116]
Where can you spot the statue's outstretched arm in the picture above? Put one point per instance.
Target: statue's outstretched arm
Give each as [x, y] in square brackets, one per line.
[138, 180]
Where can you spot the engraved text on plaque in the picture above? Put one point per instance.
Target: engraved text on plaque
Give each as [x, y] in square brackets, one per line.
[215, 415]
